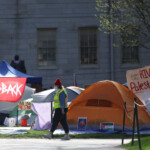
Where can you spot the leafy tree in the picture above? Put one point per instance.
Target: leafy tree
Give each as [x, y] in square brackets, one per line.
[127, 17]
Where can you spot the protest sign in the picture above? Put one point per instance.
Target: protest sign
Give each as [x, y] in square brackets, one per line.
[24, 105]
[139, 83]
[82, 121]
[138, 79]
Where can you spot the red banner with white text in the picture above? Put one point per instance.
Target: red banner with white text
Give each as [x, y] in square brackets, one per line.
[11, 88]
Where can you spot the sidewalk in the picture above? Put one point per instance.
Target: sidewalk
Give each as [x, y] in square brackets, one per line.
[58, 144]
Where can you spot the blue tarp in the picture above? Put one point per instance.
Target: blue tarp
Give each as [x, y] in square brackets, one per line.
[87, 131]
[7, 71]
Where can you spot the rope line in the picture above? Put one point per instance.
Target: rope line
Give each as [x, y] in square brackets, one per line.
[139, 104]
[127, 114]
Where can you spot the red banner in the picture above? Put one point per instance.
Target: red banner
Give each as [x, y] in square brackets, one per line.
[12, 88]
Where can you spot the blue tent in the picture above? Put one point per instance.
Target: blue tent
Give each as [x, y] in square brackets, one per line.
[7, 71]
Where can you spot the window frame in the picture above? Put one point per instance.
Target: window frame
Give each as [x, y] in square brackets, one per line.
[79, 47]
[129, 61]
[53, 66]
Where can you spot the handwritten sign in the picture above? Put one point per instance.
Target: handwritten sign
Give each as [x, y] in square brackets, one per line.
[139, 83]
[138, 79]
[24, 105]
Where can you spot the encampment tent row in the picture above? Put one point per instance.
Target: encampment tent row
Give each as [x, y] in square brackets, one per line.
[102, 102]
[99, 104]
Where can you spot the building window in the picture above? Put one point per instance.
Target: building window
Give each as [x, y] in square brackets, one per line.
[88, 45]
[130, 46]
[46, 47]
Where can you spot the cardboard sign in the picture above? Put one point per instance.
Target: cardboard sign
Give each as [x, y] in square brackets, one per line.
[24, 105]
[11, 88]
[138, 79]
[11, 122]
[82, 121]
[139, 83]
[107, 126]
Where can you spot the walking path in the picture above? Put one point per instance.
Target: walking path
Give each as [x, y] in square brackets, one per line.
[58, 144]
[55, 144]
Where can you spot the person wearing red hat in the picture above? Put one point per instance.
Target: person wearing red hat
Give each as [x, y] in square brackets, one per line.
[61, 109]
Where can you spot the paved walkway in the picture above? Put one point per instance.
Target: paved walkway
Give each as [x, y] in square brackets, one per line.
[58, 144]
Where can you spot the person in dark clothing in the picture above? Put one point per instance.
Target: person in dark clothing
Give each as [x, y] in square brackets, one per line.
[61, 109]
[18, 64]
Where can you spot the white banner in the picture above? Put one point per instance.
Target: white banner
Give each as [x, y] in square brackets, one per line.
[139, 83]
[139, 79]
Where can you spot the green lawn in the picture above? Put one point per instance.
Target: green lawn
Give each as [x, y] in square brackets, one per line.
[145, 144]
[39, 134]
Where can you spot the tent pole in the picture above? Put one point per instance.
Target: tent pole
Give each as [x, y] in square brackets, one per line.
[133, 127]
[123, 122]
[51, 110]
[137, 122]
[17, 117]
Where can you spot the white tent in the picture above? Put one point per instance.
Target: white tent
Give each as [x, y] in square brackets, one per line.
[43, 96]
[42, 107]
[48, 95]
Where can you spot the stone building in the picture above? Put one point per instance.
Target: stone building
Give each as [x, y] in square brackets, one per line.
[60, 38]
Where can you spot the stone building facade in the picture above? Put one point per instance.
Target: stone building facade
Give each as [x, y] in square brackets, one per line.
[60, 38]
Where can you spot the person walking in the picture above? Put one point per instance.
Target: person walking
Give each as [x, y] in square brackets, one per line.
[61, 109]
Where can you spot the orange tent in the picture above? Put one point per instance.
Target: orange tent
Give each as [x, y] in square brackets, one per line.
[104, 102]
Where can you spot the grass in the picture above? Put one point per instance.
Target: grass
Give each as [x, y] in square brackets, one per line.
[145, 144]
[39, 134]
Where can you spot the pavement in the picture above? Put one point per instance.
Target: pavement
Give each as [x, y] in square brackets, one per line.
[58, 144]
